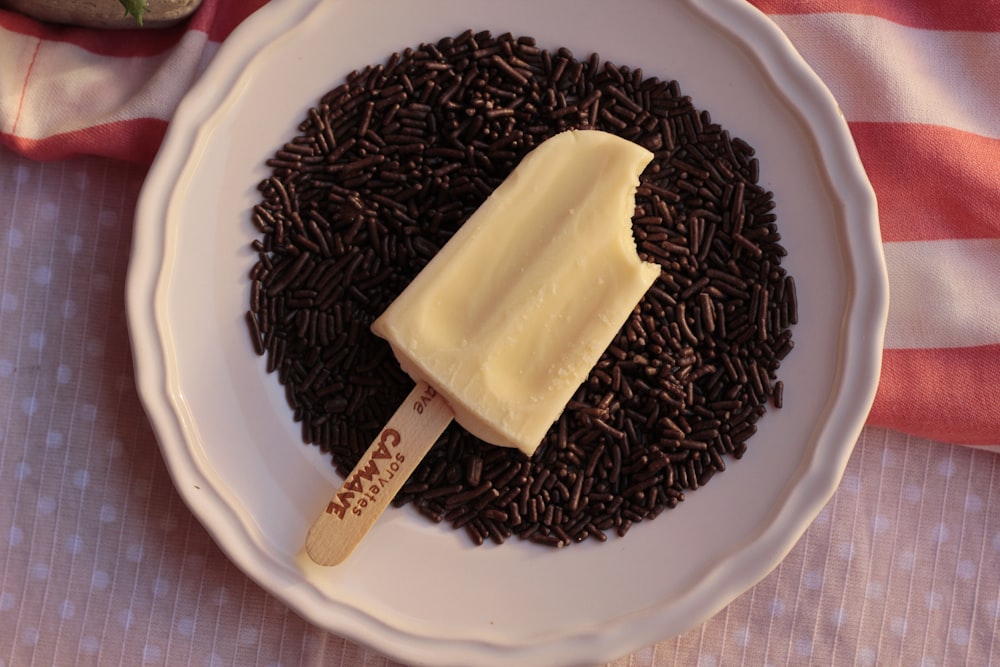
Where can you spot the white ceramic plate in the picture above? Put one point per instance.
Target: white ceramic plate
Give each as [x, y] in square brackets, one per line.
[417, 591]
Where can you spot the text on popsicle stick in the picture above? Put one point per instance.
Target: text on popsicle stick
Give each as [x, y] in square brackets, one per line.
[369, 477]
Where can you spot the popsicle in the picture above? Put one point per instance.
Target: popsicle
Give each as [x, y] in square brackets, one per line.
[507, 320]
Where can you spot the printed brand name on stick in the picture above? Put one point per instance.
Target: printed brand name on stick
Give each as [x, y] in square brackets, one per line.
[369, 479]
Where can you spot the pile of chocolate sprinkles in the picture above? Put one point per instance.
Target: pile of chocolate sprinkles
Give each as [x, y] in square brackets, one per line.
[389, 164]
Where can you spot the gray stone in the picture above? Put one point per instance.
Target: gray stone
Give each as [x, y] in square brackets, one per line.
[103, 13]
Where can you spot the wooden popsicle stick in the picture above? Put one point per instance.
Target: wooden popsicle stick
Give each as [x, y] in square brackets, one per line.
[380, 473]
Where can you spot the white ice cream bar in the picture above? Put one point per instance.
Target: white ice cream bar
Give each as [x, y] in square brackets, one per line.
[512, 314]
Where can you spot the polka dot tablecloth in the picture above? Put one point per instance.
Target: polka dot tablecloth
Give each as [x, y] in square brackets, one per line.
[102, 563]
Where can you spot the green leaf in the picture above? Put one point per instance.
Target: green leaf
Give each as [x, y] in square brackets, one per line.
[135, 8]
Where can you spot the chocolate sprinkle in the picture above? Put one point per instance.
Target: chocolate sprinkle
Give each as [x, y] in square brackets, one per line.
[390, 163]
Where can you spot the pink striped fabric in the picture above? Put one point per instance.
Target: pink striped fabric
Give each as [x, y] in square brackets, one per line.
[916, 82]
[68, 91]
[915, 79]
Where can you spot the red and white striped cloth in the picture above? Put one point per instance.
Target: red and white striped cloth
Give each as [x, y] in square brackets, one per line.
[916, 80]
[68, 91]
